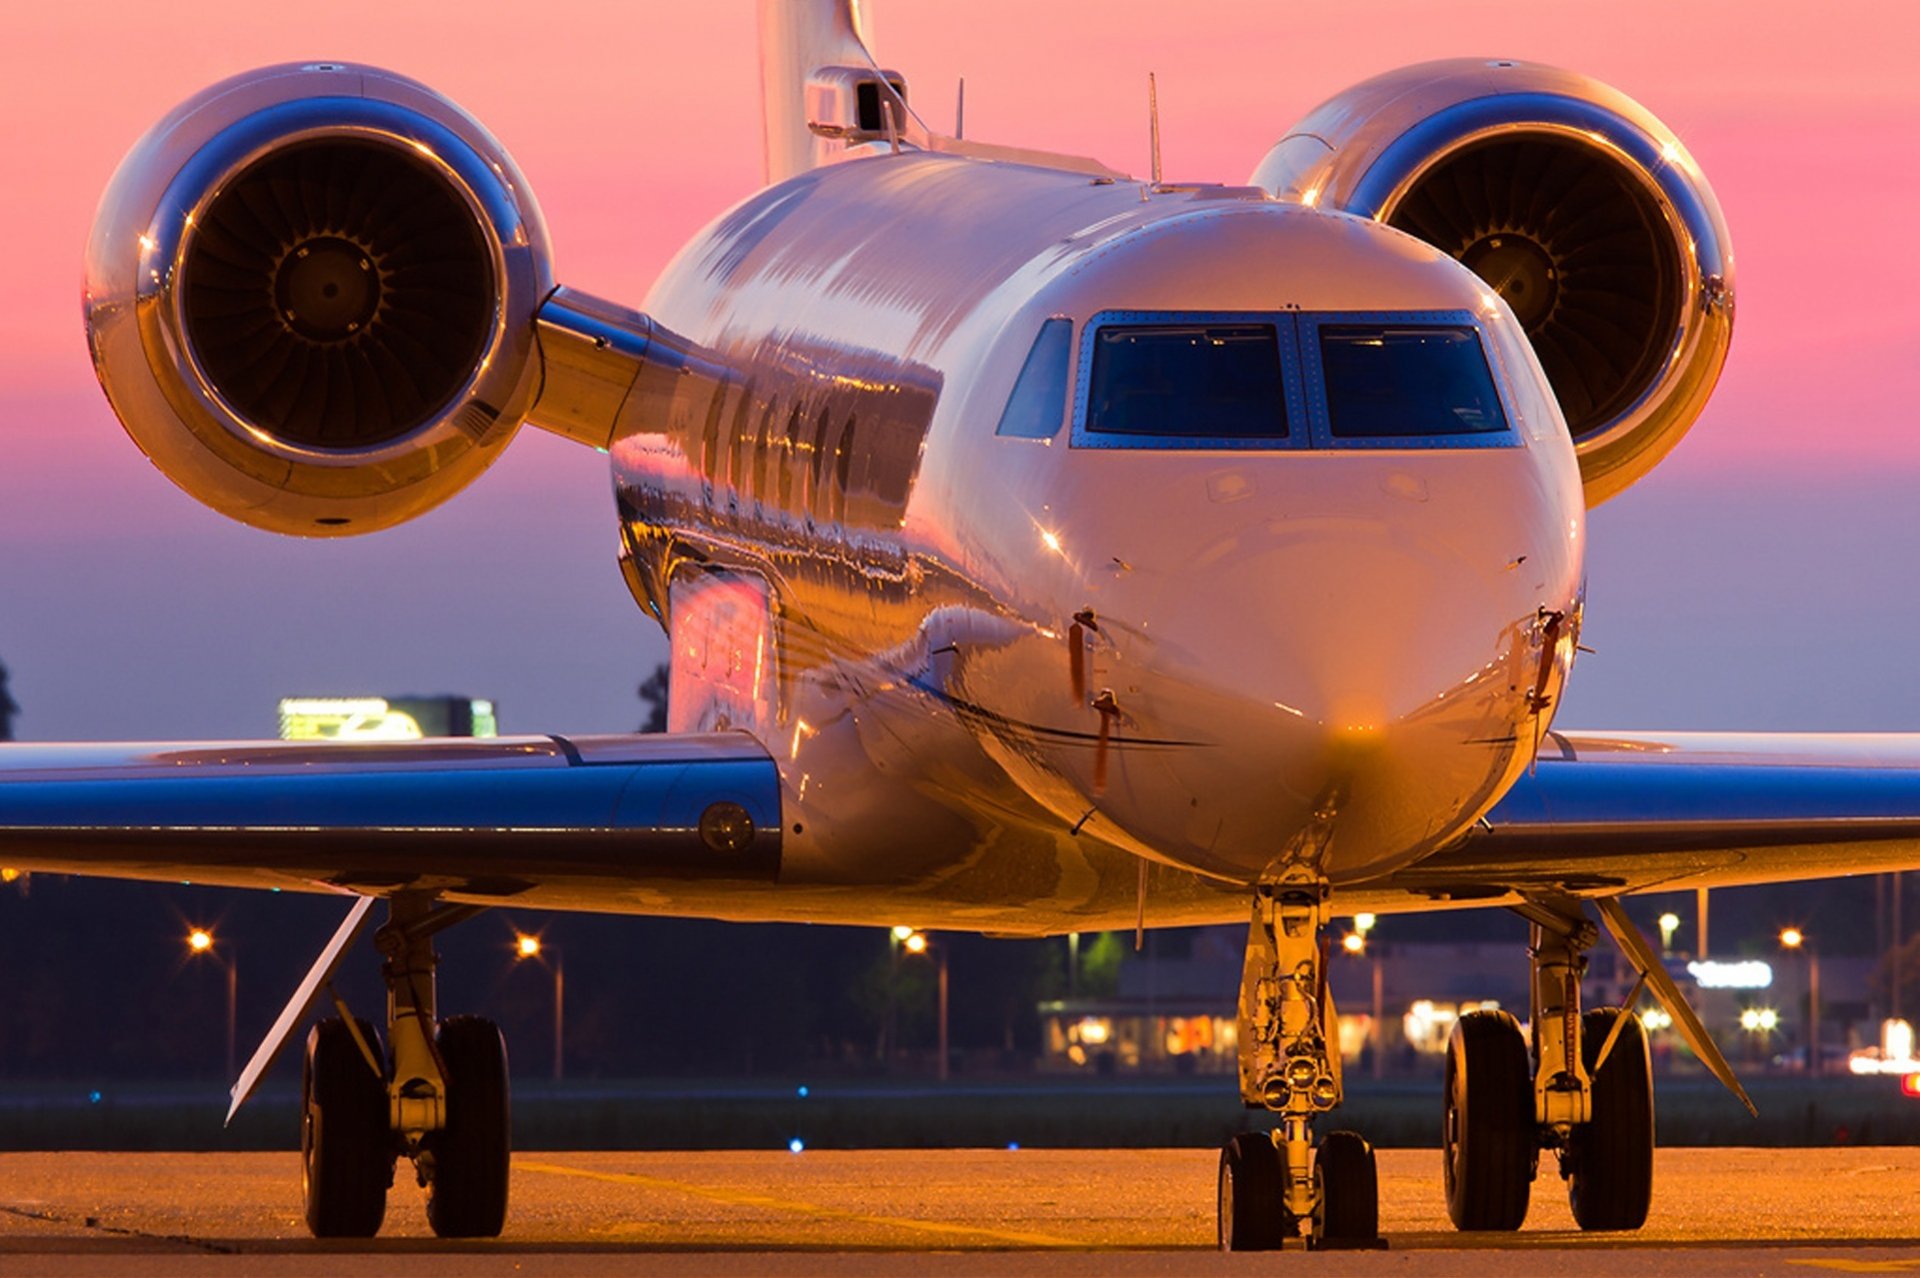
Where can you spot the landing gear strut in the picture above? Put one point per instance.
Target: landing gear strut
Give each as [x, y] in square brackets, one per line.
[438, 1095]
[1583, 1089]
[1272, 1186]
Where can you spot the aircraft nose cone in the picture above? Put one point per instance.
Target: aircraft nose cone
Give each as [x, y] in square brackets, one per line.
[1358, 689]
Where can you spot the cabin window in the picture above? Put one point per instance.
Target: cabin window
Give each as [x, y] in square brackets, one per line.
[816, 459]
[1039, 398]
[1401, 380]
[762, 443]
[1188, 381]
[843, 468]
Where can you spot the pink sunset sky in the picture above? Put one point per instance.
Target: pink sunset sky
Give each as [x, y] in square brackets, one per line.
[1767, 576]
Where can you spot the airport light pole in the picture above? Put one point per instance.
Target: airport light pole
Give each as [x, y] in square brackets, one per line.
[1357, 944]
[1793, 938]
[529, 946]
[1669, 924]
[200, 941]
[917, 943]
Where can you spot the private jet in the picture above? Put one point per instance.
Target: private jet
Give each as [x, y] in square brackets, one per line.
[1042, 548]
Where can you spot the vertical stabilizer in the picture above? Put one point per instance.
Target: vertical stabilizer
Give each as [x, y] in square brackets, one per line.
[797, 38]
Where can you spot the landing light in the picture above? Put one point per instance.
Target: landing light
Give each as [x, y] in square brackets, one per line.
[199, 940]
[915, 943]
[1354, 943]
[526, 946]
[901, 932]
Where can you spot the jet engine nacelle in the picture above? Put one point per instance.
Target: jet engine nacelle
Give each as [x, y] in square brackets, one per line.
[1580, 208]
[310, 294]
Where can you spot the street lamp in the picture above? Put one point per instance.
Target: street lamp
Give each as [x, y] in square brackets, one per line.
[1669, 924]
[1793, 938]
[1355, 943]
[917, 942]
[200, 941]
[527, 945]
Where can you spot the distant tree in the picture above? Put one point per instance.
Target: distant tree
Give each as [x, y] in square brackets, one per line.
[653, 692]
[8, 708]
[1902, 964]
[1100, 966]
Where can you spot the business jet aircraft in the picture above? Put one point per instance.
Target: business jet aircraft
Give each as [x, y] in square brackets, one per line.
[1042, 548]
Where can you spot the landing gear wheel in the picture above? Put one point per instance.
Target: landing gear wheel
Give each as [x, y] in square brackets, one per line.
[346, 1147]
[467, 1196]
[1491, 1145]
[1609, 1160]
[1253, 1211]
[1349, 1194]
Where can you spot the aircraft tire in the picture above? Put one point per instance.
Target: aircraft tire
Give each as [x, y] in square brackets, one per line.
[1490, 1141]
[467, 1195]
[1253, 1211]
[1349, 1193]
[346, 1149]
[1610, 1158]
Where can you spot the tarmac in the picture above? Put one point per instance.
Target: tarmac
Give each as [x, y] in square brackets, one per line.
[936, 1212]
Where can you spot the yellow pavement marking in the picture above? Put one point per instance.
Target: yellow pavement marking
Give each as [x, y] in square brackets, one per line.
[1861, 1266]
[743, 1198]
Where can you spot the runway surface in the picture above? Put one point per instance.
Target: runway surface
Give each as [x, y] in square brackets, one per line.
[937, 1212]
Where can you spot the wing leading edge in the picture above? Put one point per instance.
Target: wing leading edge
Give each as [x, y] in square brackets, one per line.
[479, 820]
[1608, 813]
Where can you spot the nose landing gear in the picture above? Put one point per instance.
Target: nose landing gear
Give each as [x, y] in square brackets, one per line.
[1273, 1186]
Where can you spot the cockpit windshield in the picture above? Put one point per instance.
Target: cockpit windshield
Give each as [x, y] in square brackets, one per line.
[1204, 381]
[1287, 380]
[1404, 380]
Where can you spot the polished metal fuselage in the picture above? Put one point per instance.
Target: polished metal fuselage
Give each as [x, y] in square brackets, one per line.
[1323, 663]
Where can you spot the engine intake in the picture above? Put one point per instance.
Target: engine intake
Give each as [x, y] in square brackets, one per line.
[310, 297]
[1580, 208]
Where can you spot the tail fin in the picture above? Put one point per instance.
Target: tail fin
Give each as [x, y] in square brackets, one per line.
[797, 38]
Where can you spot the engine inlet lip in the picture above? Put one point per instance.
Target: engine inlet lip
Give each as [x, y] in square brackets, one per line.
[160, 298]
[1654, 163]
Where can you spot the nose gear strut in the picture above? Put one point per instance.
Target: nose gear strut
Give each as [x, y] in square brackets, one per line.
[1290, 1066]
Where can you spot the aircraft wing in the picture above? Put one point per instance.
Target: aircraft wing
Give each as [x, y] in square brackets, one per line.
[472, 819]
[1604, 813]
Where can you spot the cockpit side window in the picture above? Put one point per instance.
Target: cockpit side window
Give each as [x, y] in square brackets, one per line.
[1039, 398]
[1188, 381]
[1402, 381]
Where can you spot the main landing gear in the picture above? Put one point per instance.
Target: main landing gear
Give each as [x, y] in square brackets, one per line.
[435, 1092]
[1273, 1187]
[1583, 1089]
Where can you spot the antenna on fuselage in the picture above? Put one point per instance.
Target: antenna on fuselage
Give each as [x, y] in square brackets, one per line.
[1153, 124]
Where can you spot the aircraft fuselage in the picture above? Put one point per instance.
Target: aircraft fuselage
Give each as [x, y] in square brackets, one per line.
[1244, 659]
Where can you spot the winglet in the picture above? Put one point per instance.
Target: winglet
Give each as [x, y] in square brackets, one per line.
[296, 1009]
[1648, 964]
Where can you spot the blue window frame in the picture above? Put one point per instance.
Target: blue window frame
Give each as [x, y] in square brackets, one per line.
[1346, 380]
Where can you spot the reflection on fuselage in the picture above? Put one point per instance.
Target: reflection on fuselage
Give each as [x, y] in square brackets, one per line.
[1234, 660]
